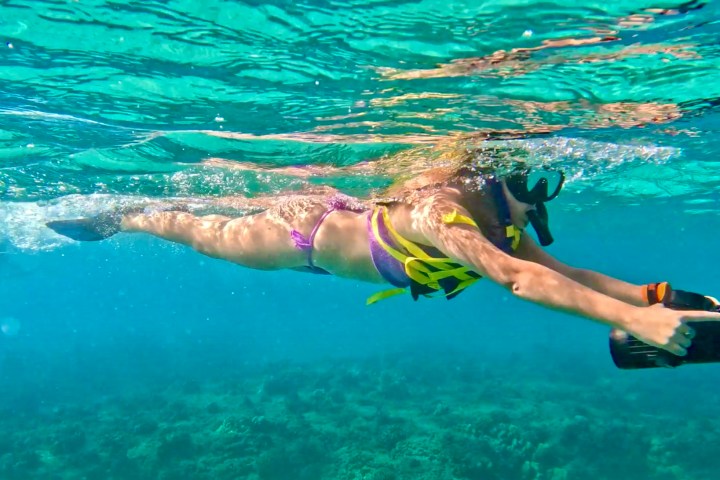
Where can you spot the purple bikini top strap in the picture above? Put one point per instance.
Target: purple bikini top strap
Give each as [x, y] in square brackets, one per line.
[391, 269]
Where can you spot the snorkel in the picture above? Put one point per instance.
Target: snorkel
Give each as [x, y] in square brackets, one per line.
[534, 187]
[539, 221]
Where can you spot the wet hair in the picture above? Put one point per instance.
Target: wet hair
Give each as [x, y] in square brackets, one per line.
[466, 163]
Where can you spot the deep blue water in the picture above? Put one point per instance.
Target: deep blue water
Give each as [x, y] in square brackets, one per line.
[108, 102]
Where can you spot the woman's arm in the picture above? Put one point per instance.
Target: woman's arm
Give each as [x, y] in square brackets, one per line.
[626, 292]
[658, 326]
[525, 279]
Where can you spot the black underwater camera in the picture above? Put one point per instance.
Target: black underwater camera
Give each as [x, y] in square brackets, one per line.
[630, 353]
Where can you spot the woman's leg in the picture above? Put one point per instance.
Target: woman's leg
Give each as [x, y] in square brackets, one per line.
[262, 241]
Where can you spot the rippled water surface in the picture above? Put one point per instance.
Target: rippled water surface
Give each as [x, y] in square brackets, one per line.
[135, 98]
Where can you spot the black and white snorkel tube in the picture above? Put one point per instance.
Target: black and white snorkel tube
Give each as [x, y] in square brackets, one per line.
[536, 194]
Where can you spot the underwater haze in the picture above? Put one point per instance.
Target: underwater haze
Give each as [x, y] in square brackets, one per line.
[134, 358]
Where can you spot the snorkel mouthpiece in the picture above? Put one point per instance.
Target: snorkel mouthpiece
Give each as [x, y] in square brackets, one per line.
[538, 218]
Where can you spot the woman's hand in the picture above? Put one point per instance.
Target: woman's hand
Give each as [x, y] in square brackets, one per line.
[667, 329]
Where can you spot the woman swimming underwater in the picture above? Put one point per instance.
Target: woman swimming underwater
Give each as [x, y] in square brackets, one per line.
[434, 234]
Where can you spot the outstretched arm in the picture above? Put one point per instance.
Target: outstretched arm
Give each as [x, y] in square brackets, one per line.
[624, 291]
[526, 279]
[658, 326]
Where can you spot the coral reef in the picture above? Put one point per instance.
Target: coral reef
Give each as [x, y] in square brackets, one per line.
[389, 418]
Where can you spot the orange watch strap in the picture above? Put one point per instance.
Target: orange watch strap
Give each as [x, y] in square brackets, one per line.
[654, 293]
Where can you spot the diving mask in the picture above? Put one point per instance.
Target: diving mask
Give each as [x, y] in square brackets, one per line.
[535, 187]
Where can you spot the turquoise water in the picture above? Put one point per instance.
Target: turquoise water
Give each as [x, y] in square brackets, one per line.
[138, 359]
